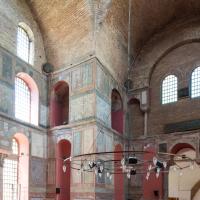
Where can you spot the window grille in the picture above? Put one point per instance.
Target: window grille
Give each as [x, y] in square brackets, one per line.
[22, 100]
[24, 46]
[169, 89]
[10, 175]
[195, 83]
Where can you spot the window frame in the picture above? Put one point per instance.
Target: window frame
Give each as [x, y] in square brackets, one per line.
[29, 34]
[161, 89]
[30, 106]
[190, 85]
[13, 157]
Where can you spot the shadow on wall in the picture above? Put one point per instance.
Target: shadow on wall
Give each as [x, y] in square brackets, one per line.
[117, 114]
[135, 118]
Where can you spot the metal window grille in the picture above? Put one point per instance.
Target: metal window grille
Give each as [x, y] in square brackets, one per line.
[195, 83]
[24, 46]
[10, 175]
[22, 100]
[169, 89]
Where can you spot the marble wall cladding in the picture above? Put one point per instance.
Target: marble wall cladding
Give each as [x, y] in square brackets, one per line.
[81, 76]
[88, 140]
[9, 67]
[6, 98]
[38, 145]
[83, 141]
[82, 107]
[103, 110]
[104, 140]
[77, 143]
[38, 175]
[43, 119]
[51, 168]
[102, 81]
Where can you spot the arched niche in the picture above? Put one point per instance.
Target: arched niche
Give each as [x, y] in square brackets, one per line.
[23, 166]
[118, 177]
[59, 114]
[63, 150]
[117, 114]
[182, 182]
[135, 118]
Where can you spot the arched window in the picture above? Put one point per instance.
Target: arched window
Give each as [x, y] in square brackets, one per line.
[195, 83]
[26, 99]
[25, 43]
[22, 100]
[16, 170]
[169, 89]
[10, 174]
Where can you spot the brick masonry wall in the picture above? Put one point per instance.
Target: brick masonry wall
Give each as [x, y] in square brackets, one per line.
[180, 62]
[11, 14]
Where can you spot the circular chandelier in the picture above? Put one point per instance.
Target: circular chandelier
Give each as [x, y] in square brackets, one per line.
[130, 164]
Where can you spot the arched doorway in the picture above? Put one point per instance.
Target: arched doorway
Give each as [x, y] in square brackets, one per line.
[63, 177]
[183, 175]
[118, 177]
[59, 104]
[117, 114]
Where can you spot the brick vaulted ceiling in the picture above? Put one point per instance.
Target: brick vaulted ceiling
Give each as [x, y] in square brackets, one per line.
[148, 17]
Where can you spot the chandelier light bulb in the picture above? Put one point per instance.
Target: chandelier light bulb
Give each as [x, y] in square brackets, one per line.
[96, 171]
[128, 175]
[108, 174]
[181, 173]
[123, 161]
[157, 175]
[111, 177]
[64, 168]
[101, 168]
[150, 167]
[100, 175]
[147, 176]
[165, 164]
[155, 161]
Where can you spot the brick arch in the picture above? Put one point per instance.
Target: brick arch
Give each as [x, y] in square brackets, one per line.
[167, 52]
[195, 189]
[159, 46]
[178, 146]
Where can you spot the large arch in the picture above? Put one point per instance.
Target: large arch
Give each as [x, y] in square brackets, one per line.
[59, 105]
[118, 177]
[160, 45]
[63, 150]
[117, 114]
